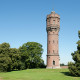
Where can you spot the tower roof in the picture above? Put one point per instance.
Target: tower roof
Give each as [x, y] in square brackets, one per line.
[53, 14]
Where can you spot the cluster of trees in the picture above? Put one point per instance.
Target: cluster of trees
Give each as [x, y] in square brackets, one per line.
[62, 64]
[74, 68]
[26, 56]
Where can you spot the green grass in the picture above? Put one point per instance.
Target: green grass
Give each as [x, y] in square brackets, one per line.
[38, 74]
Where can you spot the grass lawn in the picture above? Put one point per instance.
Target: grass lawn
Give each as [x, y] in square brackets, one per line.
[38, 74]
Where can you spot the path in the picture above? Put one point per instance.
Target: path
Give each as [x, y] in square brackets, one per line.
[1, 78]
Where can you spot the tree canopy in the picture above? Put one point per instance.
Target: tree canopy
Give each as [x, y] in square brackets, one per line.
[29, 55]
[74, 68]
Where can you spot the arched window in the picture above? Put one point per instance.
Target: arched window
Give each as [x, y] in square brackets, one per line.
[53, 62]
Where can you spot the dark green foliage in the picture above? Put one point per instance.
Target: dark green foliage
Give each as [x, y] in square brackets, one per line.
[75, 67]
[62, 64]
[5, 63]
[31, 53]
[27, 56]
[15, 58]
[5, 60]
[10, 58]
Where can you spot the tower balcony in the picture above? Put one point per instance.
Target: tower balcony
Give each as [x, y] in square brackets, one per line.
[52, 28]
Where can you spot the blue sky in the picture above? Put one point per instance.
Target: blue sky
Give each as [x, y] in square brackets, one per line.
[25, 20]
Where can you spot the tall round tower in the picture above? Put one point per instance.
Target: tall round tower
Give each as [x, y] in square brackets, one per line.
[53, 26]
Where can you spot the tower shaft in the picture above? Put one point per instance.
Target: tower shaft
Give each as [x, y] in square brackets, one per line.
[53, 26]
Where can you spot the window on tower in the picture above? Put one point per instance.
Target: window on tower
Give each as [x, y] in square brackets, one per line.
[49, 42]
[57, 42]
[53, 21]
[48, 21]
[53, 41]
[49, 51]
[53, 51]
[53, 62]
[57, 51]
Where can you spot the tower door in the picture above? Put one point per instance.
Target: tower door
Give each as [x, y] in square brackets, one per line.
[53, 62]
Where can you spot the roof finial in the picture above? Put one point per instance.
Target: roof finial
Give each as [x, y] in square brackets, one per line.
[53, 11]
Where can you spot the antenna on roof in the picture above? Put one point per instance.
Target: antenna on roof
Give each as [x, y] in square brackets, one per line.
[53, 9]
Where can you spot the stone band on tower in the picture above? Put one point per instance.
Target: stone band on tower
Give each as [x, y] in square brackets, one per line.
[53, 27]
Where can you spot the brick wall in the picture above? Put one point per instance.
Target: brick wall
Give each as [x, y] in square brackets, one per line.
[64, 67]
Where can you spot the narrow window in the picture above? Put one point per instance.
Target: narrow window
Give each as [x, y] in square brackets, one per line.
[57, 42]
[53, 51]
[53, 41]
[48, 20]
[53, 21]
[53, 62]
[49, 42]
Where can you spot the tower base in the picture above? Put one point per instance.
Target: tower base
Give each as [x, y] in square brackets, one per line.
[53, 67]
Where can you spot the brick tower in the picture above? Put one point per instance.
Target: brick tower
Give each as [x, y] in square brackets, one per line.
[53, 26]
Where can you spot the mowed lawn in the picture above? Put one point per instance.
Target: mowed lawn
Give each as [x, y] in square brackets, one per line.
[38, 74]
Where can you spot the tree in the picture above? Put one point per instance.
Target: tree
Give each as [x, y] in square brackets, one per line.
[62, 64]
[27, 56]
[74, 68]
[5, 60]
[31, 53]
[10, 58]
[15, 56]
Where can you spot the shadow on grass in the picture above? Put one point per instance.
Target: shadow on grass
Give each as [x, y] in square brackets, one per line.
[66, 73]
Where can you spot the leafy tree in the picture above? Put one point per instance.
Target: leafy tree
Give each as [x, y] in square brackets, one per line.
[5, 63]
[4, 48]
[27, 56]
[31, 53]
[10, 58]
[74, 68]
[5, 60]
[15, 56]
